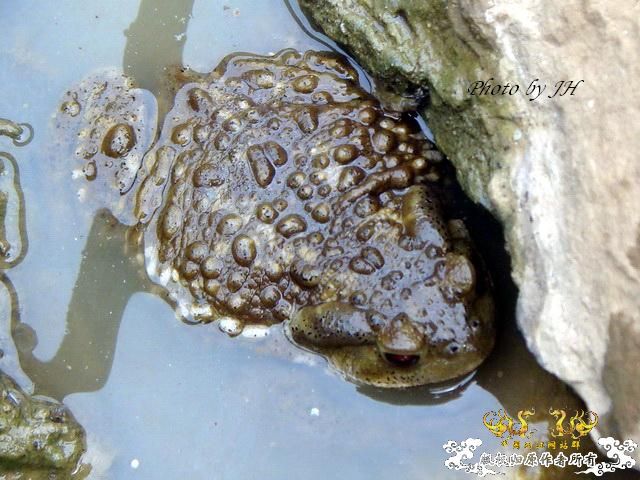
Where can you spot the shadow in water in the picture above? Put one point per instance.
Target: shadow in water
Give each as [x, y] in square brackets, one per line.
[106, 280]
[155, 42]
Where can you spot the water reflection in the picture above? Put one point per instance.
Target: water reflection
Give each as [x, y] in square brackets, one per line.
[9, 316]
[13, 237]
[13, 241]
[423, 395]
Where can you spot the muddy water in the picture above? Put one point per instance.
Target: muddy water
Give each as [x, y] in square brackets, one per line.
[162, 399]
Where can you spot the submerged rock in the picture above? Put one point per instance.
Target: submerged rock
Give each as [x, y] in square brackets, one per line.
[36, 435]
[560, 173]
[39, 438]
[279, 190]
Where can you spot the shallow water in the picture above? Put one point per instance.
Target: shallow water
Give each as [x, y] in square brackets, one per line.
[159, 398]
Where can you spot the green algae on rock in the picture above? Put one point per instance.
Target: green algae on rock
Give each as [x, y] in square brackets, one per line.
[36, 435]
[279, 190]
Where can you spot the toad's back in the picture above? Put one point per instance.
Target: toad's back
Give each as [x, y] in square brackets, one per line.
[279, 189]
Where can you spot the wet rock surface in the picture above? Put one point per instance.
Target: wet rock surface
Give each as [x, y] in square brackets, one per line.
[36, 435]
[560, 173]
[279, 190]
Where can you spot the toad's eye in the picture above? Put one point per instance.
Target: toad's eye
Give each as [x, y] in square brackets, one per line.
[402, 360]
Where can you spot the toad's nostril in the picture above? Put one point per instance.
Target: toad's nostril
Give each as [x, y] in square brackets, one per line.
[401, 360]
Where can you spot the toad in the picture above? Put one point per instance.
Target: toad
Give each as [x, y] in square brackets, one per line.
[278, 190]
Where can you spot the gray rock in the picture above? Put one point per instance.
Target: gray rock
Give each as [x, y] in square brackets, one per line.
[562, 173]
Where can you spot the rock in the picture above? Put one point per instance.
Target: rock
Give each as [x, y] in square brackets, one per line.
[560, 173]
[36, 435]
